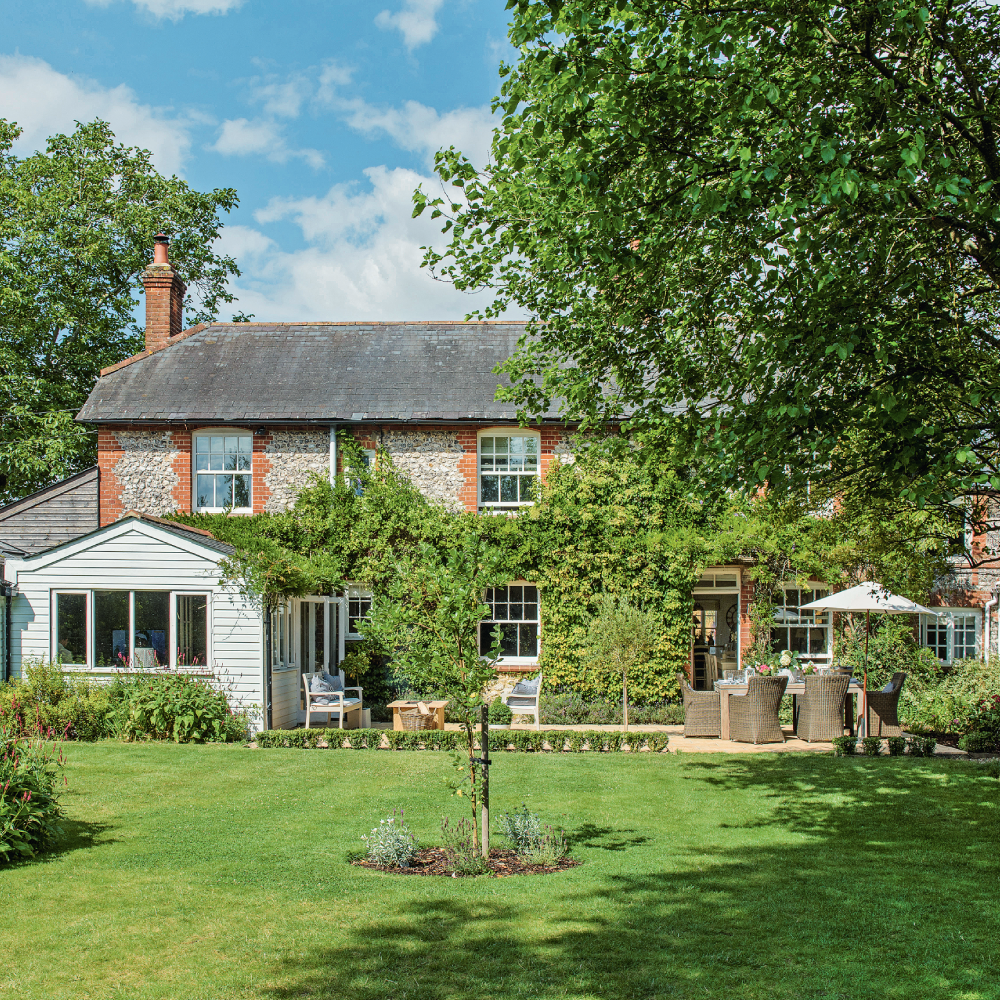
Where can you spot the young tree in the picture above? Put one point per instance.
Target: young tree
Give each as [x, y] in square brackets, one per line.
[76, 230]
[620, 636]
[770, 228]
[429, 620]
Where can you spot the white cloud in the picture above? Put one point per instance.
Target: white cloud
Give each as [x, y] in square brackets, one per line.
[421, 129]
[416, 21]
[242, 137]
[174, 10]
[44, 102]
[361, 259]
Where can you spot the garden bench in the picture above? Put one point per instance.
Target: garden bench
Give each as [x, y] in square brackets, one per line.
[523, 700]
[329, 702]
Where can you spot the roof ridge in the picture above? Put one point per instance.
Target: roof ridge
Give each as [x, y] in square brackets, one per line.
[143, 516]
[184, 334]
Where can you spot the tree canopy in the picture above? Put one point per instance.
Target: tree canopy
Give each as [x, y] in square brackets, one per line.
[76, 230]
[768, 230]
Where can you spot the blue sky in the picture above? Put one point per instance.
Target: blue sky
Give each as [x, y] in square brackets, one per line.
[323, 115]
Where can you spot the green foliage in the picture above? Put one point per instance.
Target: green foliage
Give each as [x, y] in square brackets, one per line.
[871, 746]
[921, 746]
[775, 221]
[391, 842]
[845, 746]
[460, 842]
[978, 743]
[173, 706]
[896, 745]
[985, 717]
[76, 232]
[499, 713]
[29, 807]
[945, 700]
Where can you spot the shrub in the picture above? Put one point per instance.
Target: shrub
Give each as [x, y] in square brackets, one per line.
[949, 700]
[29, 808]
[871, 746]
[523, 829]
[172, 706]
[985, 717]
[461, 849]
[990, 767]
[977, 743]
[499, 713]
[570, 709]
[897, 745]
[922, 746]
[391, 842]
[845, 746]
[549, 850]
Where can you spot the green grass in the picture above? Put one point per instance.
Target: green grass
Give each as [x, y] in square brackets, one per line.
[220, 872]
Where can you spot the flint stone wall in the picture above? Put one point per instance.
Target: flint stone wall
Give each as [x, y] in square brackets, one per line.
[431, 460]
[293, 457]
[145, 471]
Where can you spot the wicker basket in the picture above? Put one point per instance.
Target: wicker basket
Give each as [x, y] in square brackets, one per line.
[414, 720]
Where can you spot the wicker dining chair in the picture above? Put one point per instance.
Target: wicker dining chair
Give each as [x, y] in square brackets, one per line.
[702, 711]
[753, 717]
[883, 706]
[821, 708]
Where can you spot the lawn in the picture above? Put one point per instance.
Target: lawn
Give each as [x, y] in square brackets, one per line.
[216, 872]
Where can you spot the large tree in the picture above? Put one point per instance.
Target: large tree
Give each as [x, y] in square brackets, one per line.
[76, 230]
[768, 230]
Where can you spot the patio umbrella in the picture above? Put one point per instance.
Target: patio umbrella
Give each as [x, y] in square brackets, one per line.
[867, 597]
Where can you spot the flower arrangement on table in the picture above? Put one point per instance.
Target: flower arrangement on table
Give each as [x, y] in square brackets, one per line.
[785, 661]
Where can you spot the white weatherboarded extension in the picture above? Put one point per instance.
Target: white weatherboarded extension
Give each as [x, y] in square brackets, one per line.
[139, 554]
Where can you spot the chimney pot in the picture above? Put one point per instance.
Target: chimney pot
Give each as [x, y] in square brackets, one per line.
[160, 244]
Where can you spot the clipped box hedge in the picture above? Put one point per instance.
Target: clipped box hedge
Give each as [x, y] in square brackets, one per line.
[511, 741]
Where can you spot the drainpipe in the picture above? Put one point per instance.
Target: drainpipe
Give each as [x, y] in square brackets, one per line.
[8, 592]
[988, 628]
[267, 667]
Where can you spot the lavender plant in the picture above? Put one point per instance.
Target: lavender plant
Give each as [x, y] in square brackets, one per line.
[391, 842]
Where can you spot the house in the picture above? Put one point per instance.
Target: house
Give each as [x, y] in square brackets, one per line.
[239, 417]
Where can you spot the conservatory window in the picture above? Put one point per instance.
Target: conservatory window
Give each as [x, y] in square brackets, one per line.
[508, 470]
[130, 629]
[804, 632]
[515, 610]
[223, 465]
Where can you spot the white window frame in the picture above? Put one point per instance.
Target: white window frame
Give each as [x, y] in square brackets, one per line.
[54, 593]
[354, 593]
[283, 632]
[523, 661]
[218, 432]
[508, 432]
[817, 589]
[950, 614]
[370, 458]
[54, 623]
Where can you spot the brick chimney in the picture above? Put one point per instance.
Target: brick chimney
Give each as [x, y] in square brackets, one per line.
[164, 297]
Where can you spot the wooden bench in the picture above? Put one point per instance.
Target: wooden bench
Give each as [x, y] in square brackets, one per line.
[330, 703]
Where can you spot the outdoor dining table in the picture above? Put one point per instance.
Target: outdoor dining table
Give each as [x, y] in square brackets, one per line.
[437, 707]
[728, 688]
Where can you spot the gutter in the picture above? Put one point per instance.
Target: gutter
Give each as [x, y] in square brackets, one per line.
[267, 667]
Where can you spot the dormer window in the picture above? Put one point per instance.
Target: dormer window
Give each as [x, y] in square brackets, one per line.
[222, 465]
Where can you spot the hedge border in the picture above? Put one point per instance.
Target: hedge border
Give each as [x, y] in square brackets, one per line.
[510, 741]
[871, 746]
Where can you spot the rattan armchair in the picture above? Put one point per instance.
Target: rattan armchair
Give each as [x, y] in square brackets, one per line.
[702, 711]
[821, 708]
[883, 719]
[753, 717]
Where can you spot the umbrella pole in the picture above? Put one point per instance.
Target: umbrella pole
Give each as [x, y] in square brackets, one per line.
[863, 727]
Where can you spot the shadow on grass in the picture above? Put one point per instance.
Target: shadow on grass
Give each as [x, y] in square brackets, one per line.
[605, 838]
[75, 836]
[833, 880]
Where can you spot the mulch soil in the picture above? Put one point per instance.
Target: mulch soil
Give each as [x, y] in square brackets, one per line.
[503, 863]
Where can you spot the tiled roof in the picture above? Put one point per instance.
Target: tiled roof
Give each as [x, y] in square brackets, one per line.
[289, 372]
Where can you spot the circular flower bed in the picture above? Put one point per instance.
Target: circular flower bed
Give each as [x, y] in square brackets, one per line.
[502, 863]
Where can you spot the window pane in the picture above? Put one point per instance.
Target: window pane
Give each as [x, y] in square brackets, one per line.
[779, 639]
[223, 491]
[500, 612]
[111, 628]
[201, 444]
[242, 498]
[508, 489]
[508, 644]
[515, 611]
[218, 445]
[206, 491]
[201, 461]
[152, 615]
[531, 595]
[529, 640]
[527, 488]
[71, 628]
[216, 462]
[818, 641]
[486, 446]
[725, 581]
[486, 637]
[531, 612]
[319, 635]
[490, 489]
[192, 630]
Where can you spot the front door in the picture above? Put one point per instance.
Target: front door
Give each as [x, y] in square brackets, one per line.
[322, 624]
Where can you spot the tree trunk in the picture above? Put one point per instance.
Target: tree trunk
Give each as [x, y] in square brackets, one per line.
[470, 740]
[484, 743]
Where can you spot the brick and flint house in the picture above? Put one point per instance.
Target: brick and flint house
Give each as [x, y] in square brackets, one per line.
[239, 417]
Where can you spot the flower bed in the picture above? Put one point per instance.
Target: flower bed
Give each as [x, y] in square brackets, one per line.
[502, 863]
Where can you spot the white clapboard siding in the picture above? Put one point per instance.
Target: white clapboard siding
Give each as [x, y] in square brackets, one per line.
[137, 555]
[285, 698]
